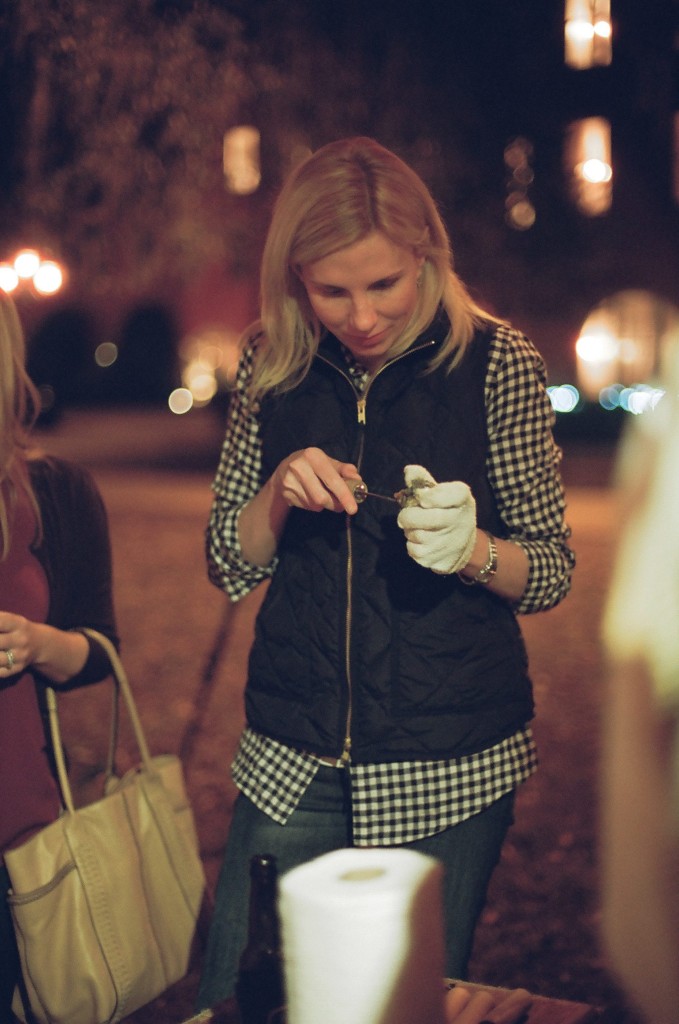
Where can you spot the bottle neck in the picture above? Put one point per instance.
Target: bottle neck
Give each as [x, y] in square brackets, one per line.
[263, 928]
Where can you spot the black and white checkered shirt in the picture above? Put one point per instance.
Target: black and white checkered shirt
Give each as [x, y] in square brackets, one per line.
[399, 802]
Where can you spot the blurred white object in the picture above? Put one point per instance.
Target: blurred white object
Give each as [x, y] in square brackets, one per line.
[640, 758]
[642, 614]
[362, 936]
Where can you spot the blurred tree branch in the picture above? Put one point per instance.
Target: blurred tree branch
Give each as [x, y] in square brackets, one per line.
[119, 148]
[119, 111]
[114, 113]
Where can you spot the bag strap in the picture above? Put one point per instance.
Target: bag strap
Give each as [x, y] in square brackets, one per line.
[123, 687]
[120, 676]
[58, 750]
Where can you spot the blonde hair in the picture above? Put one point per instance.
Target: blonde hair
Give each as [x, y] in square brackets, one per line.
[19, 406]
[332, 200]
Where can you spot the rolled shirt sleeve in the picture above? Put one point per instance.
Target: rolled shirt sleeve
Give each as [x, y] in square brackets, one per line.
[523, 468]
[238, 479]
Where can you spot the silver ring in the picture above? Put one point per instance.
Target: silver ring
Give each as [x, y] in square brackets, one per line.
[10, 658]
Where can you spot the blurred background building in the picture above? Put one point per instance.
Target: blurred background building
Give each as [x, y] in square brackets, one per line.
[142, 146]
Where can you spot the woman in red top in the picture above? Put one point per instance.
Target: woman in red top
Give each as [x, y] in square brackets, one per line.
[55, 577]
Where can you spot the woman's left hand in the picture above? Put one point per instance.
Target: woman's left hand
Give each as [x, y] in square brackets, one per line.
[441, 528]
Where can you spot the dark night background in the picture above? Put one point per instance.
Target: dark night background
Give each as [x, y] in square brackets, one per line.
[113, 115]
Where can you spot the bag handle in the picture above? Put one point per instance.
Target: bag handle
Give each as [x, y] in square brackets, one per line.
[122, 686]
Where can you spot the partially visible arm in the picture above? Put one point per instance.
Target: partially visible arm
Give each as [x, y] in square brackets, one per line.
[237, 481]
[76, 552]
[640, 724]
[523, 467]
[639, 846]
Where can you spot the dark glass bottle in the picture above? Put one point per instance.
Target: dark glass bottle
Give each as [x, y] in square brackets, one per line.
[259, 987]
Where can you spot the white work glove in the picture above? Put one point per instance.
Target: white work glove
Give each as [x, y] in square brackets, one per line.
[441, 528]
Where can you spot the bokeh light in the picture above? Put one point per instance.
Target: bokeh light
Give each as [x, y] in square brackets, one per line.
[48, 278]
[597, 347]
[241, 165]
[587, 33]
[180, 401]
[620, 346]
[210, 357]
[596, 171]
[588, 165]
[106, 354]
[9, 279]
[520, 212]
[28, 269]
[564, 397]
[636, 399]
[26, 263]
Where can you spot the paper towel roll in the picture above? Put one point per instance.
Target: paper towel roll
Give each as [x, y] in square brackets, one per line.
[362, 938]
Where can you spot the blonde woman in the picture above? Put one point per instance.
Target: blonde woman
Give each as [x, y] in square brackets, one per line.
[388, 700]
[55, 576]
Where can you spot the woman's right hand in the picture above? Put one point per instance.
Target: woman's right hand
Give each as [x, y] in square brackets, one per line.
[311, 480]
[307, 479]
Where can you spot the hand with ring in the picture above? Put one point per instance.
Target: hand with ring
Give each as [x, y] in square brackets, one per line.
[25, 645]
[14, 643]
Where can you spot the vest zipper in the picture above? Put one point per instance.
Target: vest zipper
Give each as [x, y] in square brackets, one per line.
[361, 402]
[345, 756]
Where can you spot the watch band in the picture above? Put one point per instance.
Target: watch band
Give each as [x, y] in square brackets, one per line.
[487, 571]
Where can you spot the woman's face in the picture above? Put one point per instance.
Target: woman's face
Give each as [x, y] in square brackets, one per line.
[365, 295]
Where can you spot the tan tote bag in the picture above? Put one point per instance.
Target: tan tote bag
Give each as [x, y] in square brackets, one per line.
[106, 899]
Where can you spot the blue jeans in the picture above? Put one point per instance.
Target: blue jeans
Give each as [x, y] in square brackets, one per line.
[322, 823]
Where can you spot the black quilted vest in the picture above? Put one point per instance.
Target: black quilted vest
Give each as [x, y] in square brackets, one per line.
[354, 639]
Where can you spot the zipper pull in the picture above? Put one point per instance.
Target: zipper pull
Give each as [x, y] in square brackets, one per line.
[360, 406]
